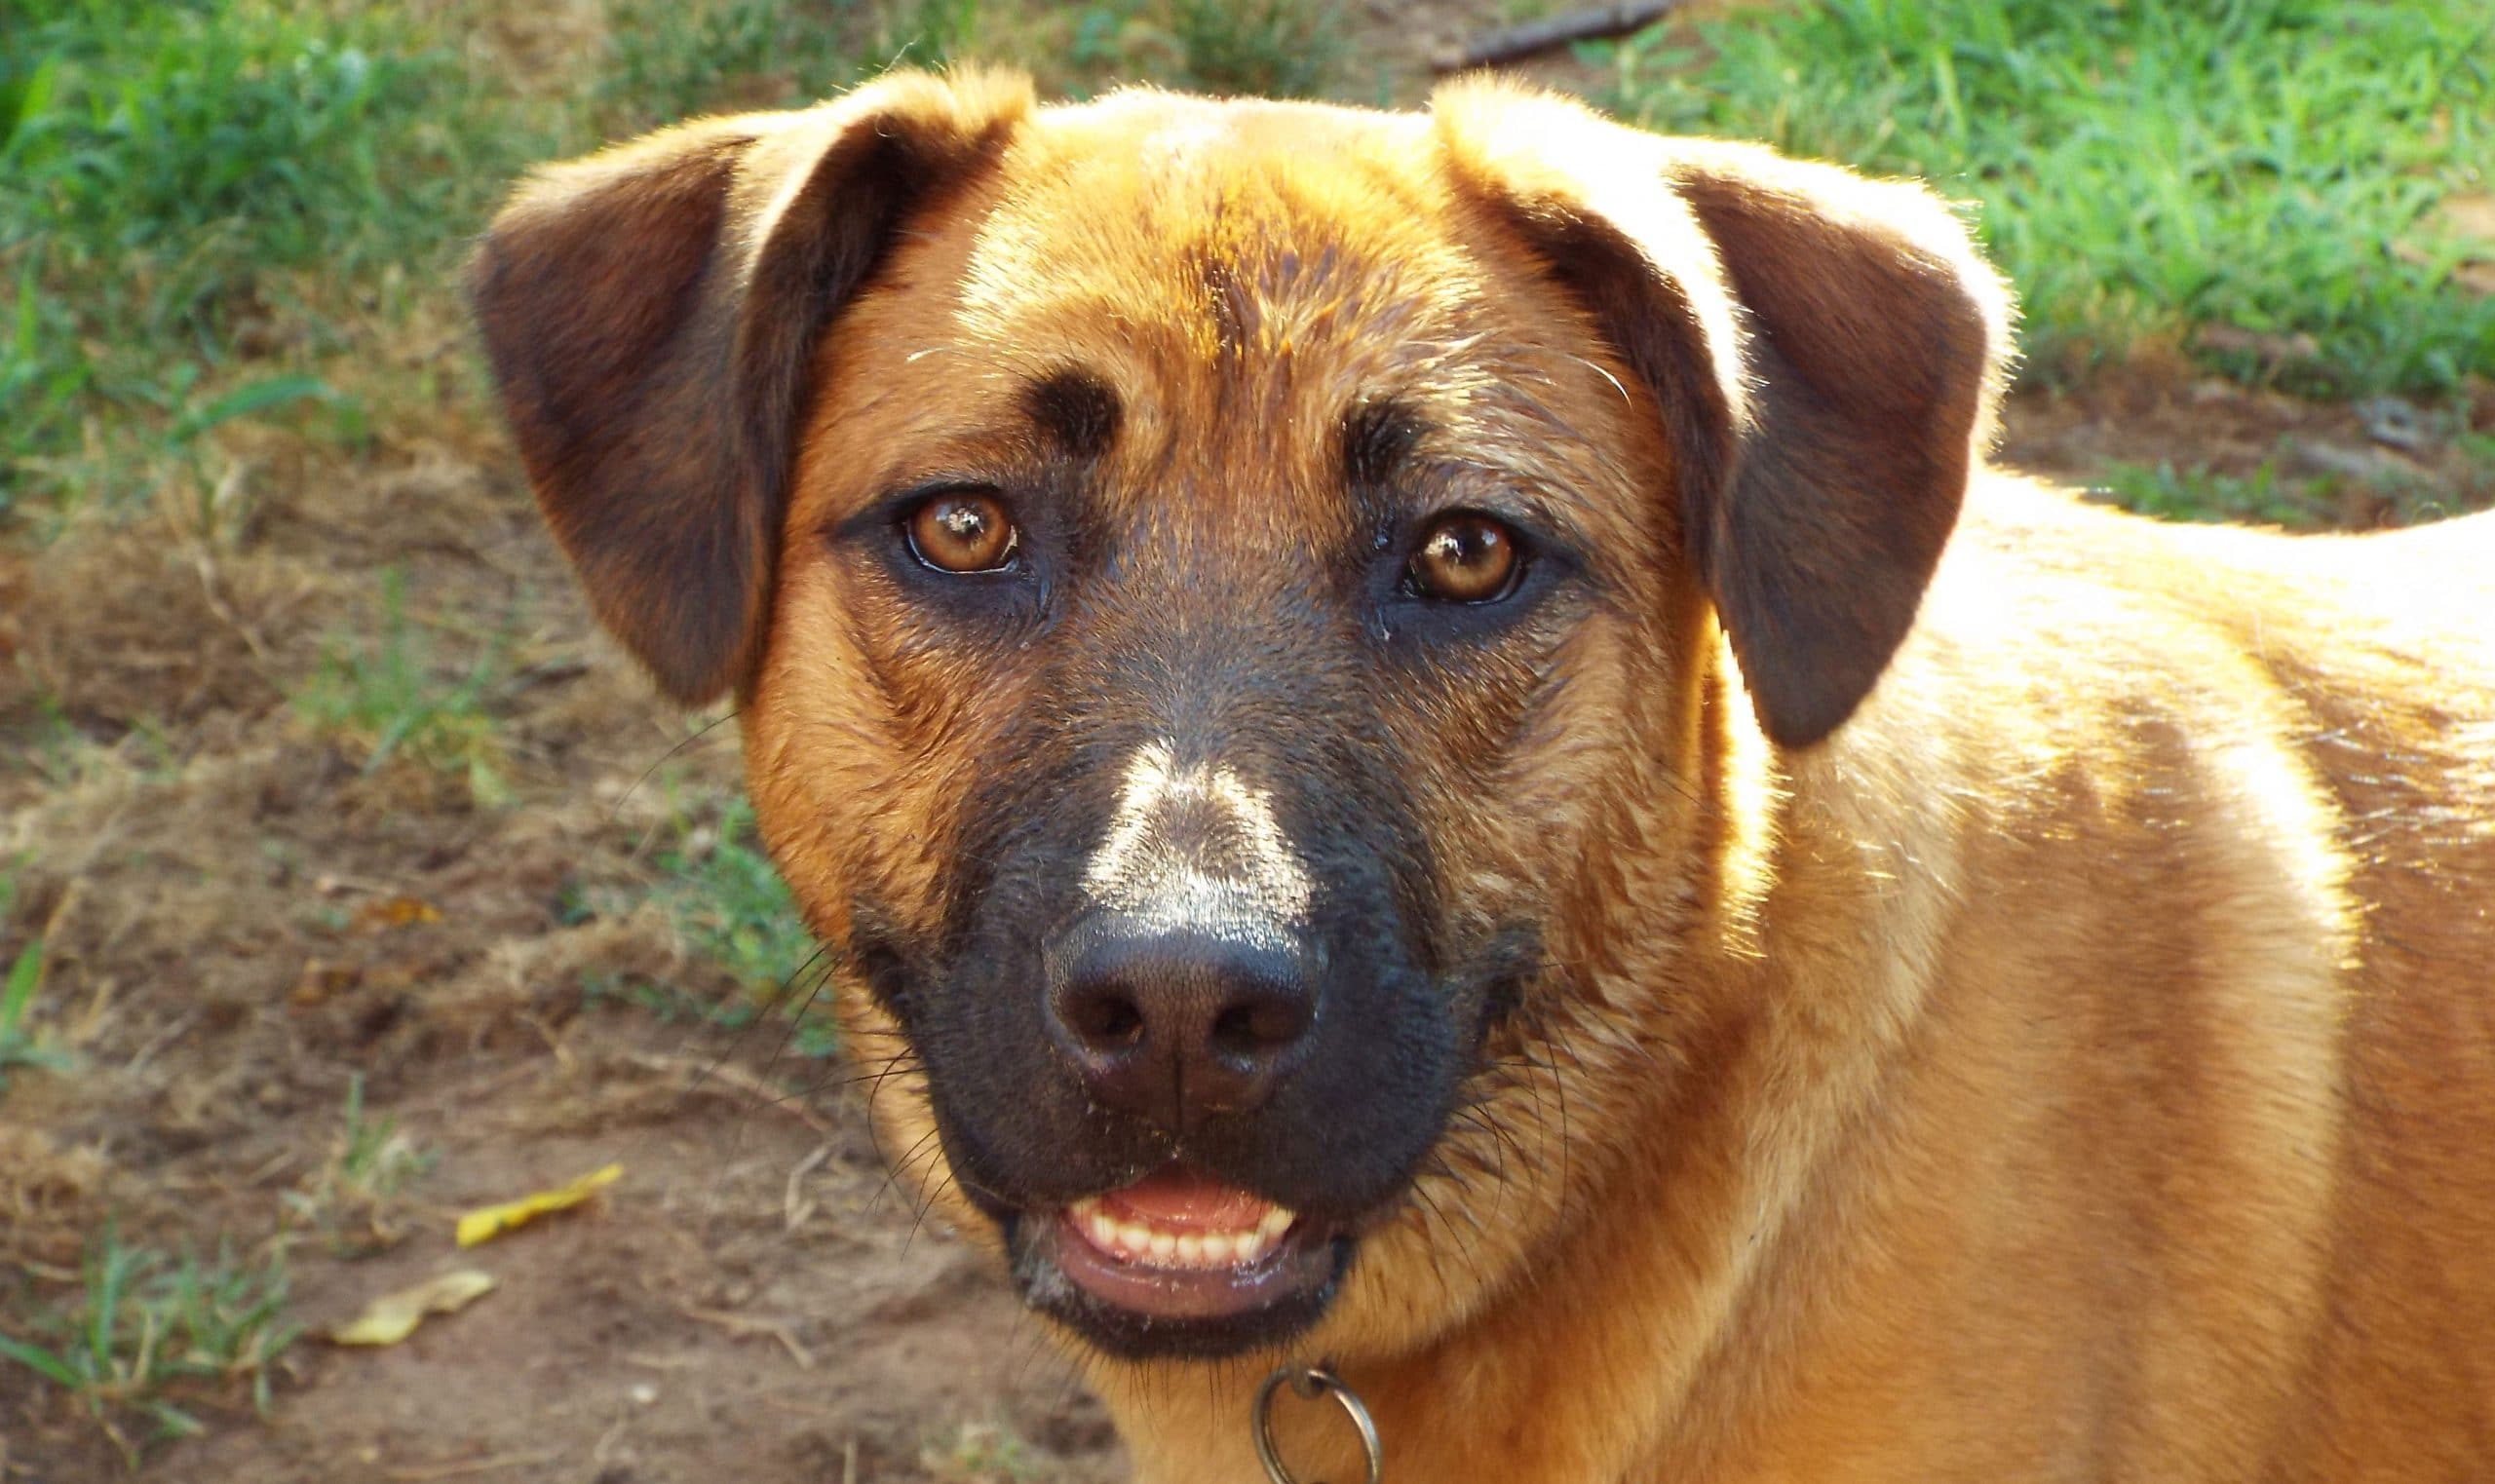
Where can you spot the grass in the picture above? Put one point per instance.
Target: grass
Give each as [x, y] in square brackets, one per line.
[672, 60]
[19, 1046]
[390, 696]
[2298, 502]
[214, 207]
[152, 1339]
[727, 905]
[2262, 497]
[1271, 48]
[983, 1453]
[201, 197]
[2144, 167]
[351, 1200]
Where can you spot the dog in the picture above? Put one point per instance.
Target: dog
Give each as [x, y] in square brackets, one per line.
[1427, 744]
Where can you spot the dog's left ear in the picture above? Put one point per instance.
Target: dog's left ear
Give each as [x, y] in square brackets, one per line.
[1826, 351]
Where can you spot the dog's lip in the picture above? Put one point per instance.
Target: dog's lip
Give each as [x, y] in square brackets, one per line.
[1180, 1246]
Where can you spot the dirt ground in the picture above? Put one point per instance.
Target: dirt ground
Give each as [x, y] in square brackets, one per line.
[242, 918]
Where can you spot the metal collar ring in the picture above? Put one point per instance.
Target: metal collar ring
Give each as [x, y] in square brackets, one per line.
[1310, 1382]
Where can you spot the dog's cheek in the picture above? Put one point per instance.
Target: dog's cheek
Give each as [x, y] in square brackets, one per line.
[1491, 755]
[859, 754]
[804, 685]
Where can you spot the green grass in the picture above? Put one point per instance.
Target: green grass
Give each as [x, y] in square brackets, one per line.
[2147, 166]
[2263, 497]
[19, 1046]
[2309, 501]
[211, 207]
[391, 695]
[351, 1200]
[198, 196]
[151, 1339]
[983, 1453]
[730, 907]
[1271, 48]
[726, 903]
[672, 60]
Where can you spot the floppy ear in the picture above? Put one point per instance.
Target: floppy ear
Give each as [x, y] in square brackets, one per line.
[651, 315]
[1828, 352]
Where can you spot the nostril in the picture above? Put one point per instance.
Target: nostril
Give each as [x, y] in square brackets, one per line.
[1107, 1019]
[1259, 1027]
[1235, 1030]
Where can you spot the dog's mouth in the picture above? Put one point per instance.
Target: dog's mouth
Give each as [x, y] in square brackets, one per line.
[1177, 1263]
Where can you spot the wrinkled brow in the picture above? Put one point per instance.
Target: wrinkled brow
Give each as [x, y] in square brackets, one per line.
[1075, 410]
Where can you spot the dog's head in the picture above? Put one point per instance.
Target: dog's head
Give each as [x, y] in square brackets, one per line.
[1229, 603]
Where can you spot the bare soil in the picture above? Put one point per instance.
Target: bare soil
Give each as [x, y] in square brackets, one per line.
[240, 916]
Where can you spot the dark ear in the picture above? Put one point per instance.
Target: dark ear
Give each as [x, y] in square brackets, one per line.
[1827, 353]
[651, 313]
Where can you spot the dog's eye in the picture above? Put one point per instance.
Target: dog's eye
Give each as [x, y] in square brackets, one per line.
[962, 530]
[1465, 558]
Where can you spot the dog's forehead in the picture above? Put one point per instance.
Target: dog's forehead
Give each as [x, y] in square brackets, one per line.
[1211, 235]
[1242, 280]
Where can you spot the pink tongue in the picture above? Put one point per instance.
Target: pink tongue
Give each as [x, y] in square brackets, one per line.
[1173, 1197]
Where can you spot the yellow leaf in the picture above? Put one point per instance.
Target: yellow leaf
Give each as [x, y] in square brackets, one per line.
[394, 1316]
[487, 1223]
[391, 913]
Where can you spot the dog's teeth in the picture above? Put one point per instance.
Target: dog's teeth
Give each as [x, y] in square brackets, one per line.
[1144, 1242]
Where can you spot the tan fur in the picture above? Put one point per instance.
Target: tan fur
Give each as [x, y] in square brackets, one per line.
[2079, 1065]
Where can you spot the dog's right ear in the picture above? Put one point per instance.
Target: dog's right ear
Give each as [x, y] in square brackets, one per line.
[651, 315]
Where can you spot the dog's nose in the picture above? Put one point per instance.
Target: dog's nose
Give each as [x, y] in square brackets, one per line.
[1173, 1026]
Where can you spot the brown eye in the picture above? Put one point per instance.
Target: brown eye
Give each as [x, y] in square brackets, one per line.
[962, 531]
[1465, 558]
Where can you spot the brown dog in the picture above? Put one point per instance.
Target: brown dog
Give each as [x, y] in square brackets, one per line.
[1378, 707]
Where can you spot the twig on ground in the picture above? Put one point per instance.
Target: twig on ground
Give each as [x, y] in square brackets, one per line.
[743, 1327]
[428, 1473]
[793, 1206]
[1510, 43]
[715, 1077]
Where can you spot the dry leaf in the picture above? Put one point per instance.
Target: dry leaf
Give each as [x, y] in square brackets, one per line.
[394, 1316]
[321, 982]
[395, 912]
[489, 1222]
